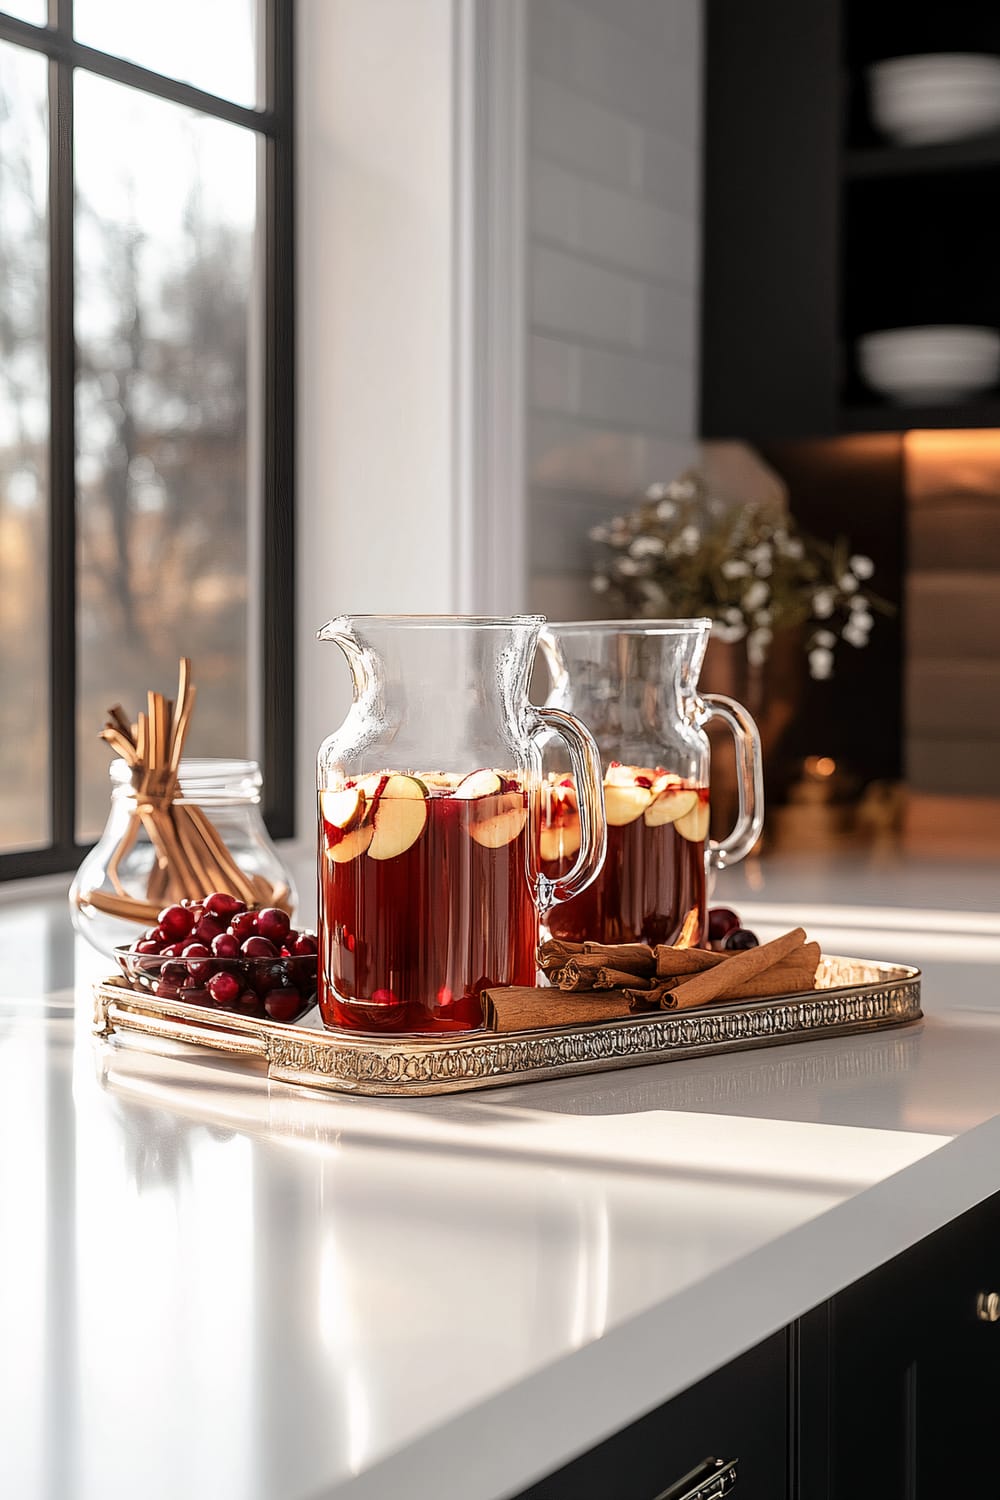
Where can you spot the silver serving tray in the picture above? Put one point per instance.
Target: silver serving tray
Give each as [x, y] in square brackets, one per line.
[852, 995]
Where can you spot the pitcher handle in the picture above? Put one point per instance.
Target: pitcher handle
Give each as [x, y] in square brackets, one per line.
[588, 777]
[750, 781]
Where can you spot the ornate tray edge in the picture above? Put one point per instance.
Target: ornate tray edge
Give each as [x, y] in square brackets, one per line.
[414, 1068]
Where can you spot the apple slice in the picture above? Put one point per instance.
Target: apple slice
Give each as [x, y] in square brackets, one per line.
[623, 804]
[670, 805]
[351, 845]
[693, 825]
[344, 809]
[561, 840]
[499, 821]
[479, 784]
[399, 817]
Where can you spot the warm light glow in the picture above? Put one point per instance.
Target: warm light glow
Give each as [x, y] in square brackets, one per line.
[820, 765]
[953, 461]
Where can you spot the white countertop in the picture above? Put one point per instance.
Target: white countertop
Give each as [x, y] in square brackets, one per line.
[212, 1287]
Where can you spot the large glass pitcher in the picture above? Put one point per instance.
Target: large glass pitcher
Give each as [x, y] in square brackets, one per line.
[635, 686]
[431, 884]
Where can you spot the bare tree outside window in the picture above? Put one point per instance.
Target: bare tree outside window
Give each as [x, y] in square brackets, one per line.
[145, 406]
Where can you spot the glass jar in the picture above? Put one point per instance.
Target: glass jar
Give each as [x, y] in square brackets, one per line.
[125, 879]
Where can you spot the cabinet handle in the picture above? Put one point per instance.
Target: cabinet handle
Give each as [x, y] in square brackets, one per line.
[988, 1307]
[712, 1478]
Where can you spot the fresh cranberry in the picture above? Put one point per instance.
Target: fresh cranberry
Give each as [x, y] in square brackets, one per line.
[225, 945]
[306, 945]
[146, 946]
[197, 970]
[176, 922]
[174, 950]
[283, 1005]
[208, 928]
[249, 1003]
[166, 990]
[225, 988]
[222, 904]
[721, 922]
[290, 938]
[644, 781]
[174, 973]
[194, 992]
[273, 923]
[262, 977]
[742, 938]
[243, 925]
[258, 947]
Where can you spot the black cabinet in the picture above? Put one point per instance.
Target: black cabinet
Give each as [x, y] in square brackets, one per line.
[740, 1412]
[818, 230]
[916, 1368]
[887, 1392]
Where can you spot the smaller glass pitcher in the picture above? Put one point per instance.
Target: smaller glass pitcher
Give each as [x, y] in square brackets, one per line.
[635, 686]
[430, 877]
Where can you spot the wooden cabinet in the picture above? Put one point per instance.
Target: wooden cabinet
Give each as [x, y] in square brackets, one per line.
[887, 1392]
[818, 230]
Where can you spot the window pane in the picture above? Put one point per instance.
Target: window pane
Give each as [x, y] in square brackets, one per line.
[167, 306]
[209, 43]
[35, 11]
[24, 432]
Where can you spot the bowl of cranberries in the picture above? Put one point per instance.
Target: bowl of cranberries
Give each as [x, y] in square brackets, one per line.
[224, 955]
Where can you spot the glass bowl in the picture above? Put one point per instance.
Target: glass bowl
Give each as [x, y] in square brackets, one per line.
[276, 988]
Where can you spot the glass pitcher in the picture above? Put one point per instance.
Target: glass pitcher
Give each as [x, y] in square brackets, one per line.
[635, 685]
[430, 877]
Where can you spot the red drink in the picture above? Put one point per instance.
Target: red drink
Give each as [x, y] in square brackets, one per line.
[425, 900]
[652, 886]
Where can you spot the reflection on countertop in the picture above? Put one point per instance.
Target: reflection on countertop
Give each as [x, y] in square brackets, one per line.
[215, 1285]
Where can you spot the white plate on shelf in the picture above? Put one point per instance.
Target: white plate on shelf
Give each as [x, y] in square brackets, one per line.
[936, 96]
[924, 366]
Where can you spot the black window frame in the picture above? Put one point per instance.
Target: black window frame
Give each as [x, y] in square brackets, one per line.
[274, 124]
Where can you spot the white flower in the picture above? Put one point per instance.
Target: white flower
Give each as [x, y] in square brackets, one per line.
[656, 492]
[628, 567]
[762, 623]
[820, 663]
[763, 570]
[824, 638]
[598, 533]
[652, 592]
[853, 635]
[756, 595]
[847, 583]
[762, 553]
[861, 565]
[666, 510]
[858, 602]
[682, 489]
[729, 633]
[757, 642]
[734, 567]
[862, 619]
[822, 603]
[733, 615]
[600, 583]
[689, 539]
[647, 546]
[793, 547]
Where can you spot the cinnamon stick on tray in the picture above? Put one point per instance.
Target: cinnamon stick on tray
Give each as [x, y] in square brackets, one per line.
[523, 1008]
[727, 979]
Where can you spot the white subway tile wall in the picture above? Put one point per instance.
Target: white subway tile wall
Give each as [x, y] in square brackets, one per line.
[612, 266]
